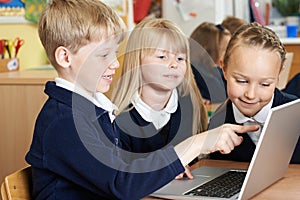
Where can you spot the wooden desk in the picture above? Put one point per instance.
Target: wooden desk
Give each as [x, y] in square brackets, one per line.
[22, 96]
[286, 188]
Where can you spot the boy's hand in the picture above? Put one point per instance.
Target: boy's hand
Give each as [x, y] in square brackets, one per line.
[223, 139]
[226, 137]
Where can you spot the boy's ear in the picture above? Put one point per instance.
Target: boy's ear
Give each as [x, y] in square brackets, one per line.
[62, 56]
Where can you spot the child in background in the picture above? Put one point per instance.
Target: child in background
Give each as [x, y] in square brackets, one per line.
[75, 151]
[155, 84]
[252, 63]
[232, 23]
[209, 77]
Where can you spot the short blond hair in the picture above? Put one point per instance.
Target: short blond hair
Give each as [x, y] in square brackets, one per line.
[75, 23]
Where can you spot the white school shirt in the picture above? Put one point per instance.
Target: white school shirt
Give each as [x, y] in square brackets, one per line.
[259, 119]
[98, 98]
[158, 118]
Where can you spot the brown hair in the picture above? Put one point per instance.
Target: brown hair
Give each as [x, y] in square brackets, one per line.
[210, 36]
[255, 35]
[232, 23]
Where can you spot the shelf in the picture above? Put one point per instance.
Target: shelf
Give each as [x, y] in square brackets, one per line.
[290, 40]
[13, 20]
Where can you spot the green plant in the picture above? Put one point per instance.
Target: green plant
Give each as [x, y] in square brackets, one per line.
[287, 7]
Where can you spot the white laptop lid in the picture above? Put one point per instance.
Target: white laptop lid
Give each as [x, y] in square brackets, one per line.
[274, 149]
[269, 162]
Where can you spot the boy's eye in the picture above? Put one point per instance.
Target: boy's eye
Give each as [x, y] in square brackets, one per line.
[108, 54]
[103, 55]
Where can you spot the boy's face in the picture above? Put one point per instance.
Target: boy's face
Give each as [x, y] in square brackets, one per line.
[163, 70]
[251, 74]
[94, 65]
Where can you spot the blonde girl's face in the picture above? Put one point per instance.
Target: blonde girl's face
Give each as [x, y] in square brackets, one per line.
[163, 70]
[252, 74]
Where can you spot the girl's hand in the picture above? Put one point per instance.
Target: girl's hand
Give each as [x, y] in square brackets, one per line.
[206, 102]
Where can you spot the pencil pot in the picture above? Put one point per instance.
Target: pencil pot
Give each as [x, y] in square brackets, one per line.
[7, 64]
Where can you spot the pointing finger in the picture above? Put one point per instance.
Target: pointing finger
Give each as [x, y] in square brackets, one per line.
[245, 129]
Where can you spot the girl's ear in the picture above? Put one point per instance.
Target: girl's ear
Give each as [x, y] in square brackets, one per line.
[283, 67]
[62, 56]
[223, 69]
[221, 63]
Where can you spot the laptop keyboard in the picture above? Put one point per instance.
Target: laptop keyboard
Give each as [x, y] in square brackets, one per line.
[223, 186]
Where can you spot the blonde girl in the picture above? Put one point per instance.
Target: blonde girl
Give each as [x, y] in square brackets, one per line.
[148, 36]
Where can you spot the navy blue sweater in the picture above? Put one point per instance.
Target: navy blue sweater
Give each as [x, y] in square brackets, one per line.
[74, 154]
[245, 151]
[148, 139]
[211, 83]
[293, 86]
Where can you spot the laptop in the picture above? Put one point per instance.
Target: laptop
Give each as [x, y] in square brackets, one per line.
[269, 162]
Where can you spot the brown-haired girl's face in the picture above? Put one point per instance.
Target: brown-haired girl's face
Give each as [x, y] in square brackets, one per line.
[252, 74]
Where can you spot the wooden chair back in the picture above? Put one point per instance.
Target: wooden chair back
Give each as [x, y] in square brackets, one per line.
[17, 186]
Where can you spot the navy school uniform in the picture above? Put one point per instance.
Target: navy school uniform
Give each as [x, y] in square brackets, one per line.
[293, 86]
[245, 150]
[147, 138]
[74, 154]
[142, 143]
[211, 83]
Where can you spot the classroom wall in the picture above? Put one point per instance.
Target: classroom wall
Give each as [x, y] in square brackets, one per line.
[214, 11]
[31, 54]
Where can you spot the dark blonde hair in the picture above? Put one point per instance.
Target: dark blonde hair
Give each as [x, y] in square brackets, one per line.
[232, 23]
[210, 36]
[146, 37]
[75, 23]
[255, 35]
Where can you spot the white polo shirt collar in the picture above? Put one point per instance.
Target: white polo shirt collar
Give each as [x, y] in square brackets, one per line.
[158, 118]
[98, 98]
[259, 119]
